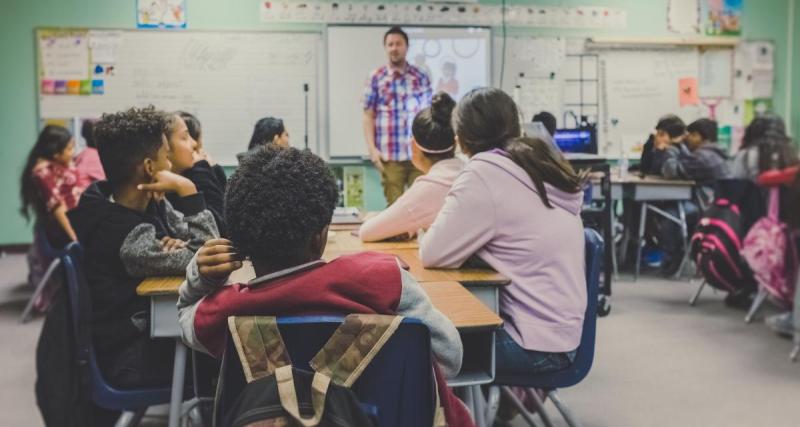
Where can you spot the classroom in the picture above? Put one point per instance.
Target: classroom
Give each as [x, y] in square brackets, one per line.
[580, 213]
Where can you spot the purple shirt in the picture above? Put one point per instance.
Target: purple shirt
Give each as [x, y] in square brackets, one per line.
[396, 96]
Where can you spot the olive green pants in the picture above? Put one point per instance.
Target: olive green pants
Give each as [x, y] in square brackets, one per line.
[396, 176]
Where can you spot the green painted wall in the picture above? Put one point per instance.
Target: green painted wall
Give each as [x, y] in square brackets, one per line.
[766, 19]
[795, 75]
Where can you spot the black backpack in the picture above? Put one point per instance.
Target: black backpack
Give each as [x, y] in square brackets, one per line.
[715, 247]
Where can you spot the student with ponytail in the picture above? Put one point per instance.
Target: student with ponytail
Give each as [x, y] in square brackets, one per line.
[433, 148]
[516, 206]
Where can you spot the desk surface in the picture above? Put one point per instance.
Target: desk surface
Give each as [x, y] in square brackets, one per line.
[467, 276]
[634, 178]
[452, 299]
[343, 241]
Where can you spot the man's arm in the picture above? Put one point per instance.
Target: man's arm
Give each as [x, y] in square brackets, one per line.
[369, 137]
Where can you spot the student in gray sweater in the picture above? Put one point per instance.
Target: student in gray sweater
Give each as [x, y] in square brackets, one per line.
[129, 231]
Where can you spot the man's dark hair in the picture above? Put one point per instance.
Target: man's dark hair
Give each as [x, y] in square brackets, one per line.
[548, 120]
[396, 30]
[126, 138]
[276, 201]
[265, 131]
[192, 124]
[672, 125]
[707, 129]
[87, 132]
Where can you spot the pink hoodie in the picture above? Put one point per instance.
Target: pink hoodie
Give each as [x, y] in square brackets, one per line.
[417, 207]
[494, 211]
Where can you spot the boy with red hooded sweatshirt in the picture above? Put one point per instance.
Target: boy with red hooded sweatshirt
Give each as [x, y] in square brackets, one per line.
[278, 207]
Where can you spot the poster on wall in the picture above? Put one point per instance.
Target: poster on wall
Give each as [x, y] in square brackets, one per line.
[160, 13]
[723, 17]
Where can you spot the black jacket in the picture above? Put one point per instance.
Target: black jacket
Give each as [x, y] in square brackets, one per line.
[211, 182]
[121, 248]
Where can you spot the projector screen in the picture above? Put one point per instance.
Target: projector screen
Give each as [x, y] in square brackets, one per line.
[355, 52]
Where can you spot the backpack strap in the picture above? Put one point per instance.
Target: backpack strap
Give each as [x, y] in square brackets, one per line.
[259, 345]
[288, 395]
[774, 201]
[353, 345]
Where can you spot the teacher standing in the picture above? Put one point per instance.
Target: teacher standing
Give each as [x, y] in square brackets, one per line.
[394, 94]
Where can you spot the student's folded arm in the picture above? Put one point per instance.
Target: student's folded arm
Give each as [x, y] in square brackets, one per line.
[193, 222]
[463, 226]
[143, 256]
[672, 165]
[193, 289]
[445, 340]
[395, 220]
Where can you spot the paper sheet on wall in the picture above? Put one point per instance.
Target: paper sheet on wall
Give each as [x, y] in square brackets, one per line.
[103, 46]
[716, 67]
[64, 55]
[683, 16]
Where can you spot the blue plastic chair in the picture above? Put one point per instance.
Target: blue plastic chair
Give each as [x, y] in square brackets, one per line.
[132, 403]
[397, 387]
[584, 356]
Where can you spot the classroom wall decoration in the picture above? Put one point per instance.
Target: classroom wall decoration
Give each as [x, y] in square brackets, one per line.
[442, 14]
[161, 13]
[723, 17]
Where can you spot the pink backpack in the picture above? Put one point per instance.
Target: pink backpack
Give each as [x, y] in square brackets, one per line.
[771, 254]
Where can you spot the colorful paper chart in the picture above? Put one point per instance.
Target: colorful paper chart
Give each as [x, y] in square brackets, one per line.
[48, 87]
[98, 87]
[61, 87]
[86, 87]
[73, 87]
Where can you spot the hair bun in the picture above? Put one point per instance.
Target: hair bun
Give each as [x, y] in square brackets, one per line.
[442, 106]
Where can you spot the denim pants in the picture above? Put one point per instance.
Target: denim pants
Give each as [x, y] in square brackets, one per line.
[511, 358]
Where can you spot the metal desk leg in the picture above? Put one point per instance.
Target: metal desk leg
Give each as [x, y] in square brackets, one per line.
[639, 236]
[178, 372]
[685, 237]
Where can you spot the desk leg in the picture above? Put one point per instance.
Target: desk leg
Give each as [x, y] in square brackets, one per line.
[639, 245]
[685, 236]
[178, 373]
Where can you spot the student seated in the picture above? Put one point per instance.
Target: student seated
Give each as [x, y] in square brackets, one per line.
[268, 130]
[88, 161]
[129, 232]
[516, 206]
[765, 146]
[279, 207]
[547, 120]
[195, 129]
[433, 148]
[188, 160]
[51, 185]
[699, 158]
[670, 130]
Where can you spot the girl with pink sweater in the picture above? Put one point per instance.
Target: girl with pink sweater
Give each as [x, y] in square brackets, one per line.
[432, 152]
[516, 206]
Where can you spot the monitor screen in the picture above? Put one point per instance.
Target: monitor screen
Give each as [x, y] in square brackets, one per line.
[581, 140]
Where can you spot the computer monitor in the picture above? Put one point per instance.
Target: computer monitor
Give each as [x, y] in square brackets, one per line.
[580, 140]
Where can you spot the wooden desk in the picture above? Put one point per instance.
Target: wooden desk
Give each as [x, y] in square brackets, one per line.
[343, 241]
[647, 188]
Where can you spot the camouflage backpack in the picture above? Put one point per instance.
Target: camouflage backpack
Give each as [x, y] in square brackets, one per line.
[278, 395]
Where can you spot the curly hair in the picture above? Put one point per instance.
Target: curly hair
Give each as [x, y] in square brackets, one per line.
[124, 139]
[276, 201]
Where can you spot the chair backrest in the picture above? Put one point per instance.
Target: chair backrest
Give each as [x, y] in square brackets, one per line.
[102, 393]
[397, 386]
[585, 353]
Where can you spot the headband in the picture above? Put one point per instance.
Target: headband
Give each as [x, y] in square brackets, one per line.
[429, 151]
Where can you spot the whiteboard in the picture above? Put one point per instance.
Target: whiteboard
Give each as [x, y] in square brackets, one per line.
[640, 86]
[354, 52]
[227, 79]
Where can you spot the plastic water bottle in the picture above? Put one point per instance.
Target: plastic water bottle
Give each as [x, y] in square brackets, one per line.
[623, 165]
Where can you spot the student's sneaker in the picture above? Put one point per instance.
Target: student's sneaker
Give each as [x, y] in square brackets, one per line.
[652, 257]
[782, 324]
[740, 299]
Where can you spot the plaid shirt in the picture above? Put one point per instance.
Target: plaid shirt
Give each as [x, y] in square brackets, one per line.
[395, 97]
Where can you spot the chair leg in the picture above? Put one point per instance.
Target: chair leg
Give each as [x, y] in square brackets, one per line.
[639, 245]
[756, 305]
[795, 353]
[696, 295]
[130, 418]
[520, 407]
[492, 404]
[563, 409]
[478, 405]
[540, 409]
[26, 314]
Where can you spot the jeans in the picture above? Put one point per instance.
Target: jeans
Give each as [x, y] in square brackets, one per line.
[511, 358]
